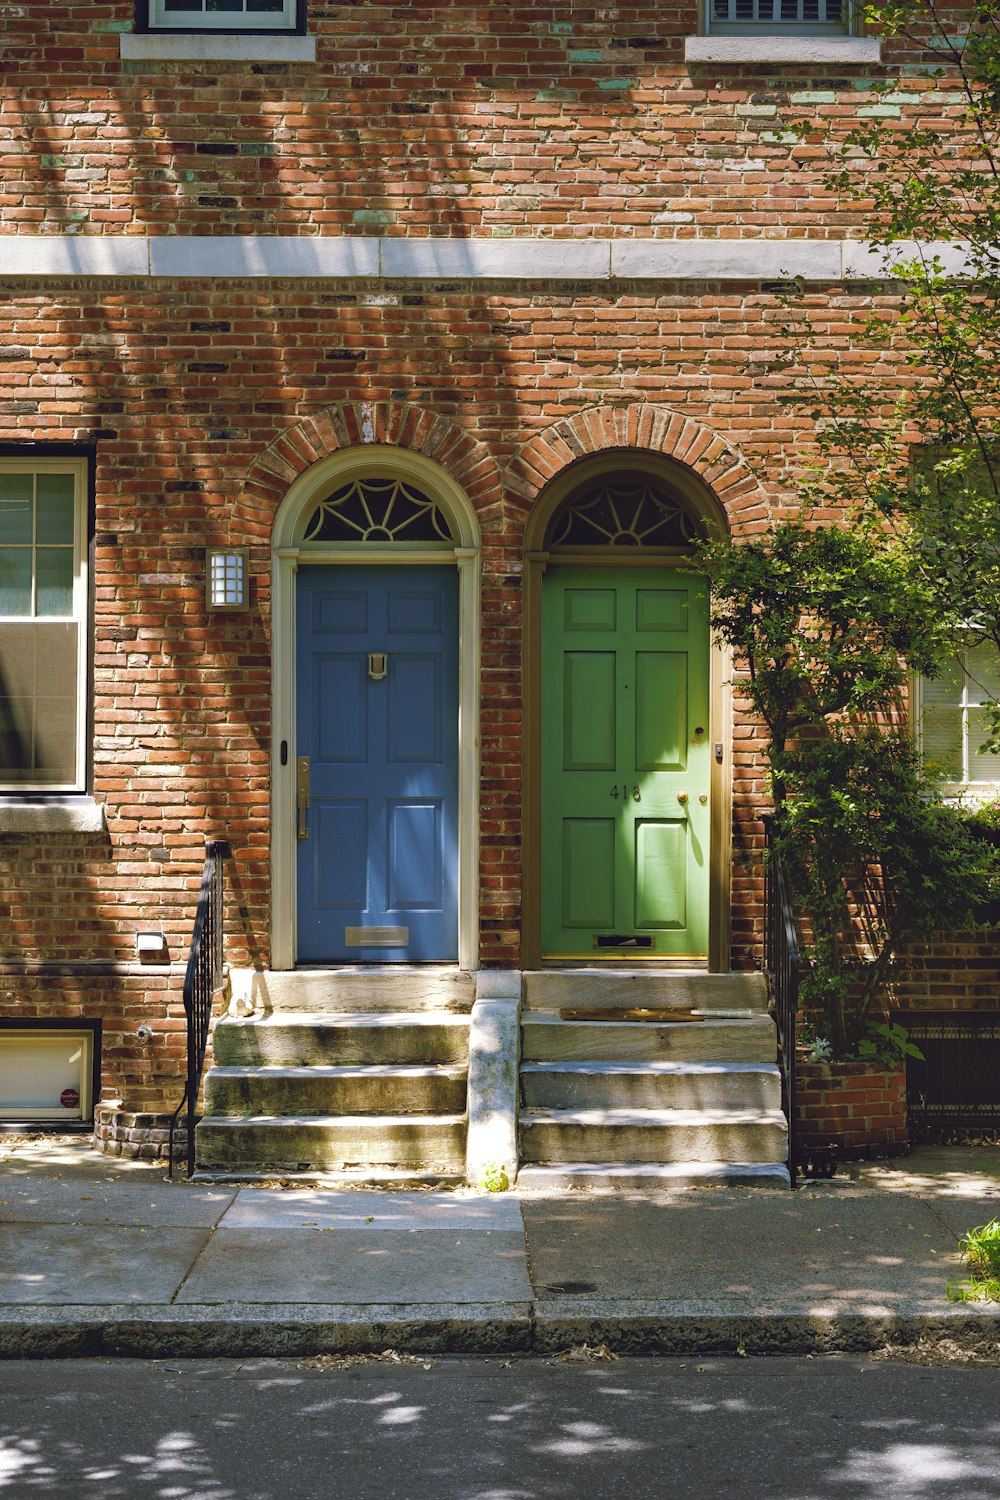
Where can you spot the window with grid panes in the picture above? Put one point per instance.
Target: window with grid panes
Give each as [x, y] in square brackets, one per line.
[222, 15]
[43, 625]
[952, 718]
[777, 17]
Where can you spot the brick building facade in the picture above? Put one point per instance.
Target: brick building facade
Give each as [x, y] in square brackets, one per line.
[501, 254]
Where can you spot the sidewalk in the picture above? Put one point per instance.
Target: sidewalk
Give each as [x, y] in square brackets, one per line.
[102, 1256]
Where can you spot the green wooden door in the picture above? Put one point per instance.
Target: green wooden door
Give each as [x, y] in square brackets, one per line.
[625, 764]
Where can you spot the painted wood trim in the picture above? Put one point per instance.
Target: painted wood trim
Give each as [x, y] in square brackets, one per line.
[720, 720]
[287, 557]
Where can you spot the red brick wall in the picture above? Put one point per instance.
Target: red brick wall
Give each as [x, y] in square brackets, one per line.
[416, 120]
[850, 1109]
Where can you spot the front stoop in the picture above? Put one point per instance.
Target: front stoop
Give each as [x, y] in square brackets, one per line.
[621, 1103]
[367, 1095]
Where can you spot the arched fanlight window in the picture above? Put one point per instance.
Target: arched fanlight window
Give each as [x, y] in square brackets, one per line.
[377, 510]
[624, 511]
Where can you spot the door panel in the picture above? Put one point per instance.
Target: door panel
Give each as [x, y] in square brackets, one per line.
[661, 873]
[589, 711]
[381, 850]
[588, 872]
[625, 764]
[661, 711]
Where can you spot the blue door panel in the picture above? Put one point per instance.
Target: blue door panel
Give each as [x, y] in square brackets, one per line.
[342, 736]
[415, 874]
[415, 694]
[341, 882]
[382, 846]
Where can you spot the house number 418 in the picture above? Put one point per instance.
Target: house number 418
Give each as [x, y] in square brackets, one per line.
[635, 793]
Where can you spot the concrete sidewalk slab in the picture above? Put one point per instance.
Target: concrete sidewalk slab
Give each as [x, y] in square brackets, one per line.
[94, 1202]
[99, 1256]
[386, 1266]
[259, 1208]
[67, 1263]
[741, 1251]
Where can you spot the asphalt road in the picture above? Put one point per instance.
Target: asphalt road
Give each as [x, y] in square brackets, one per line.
[492, 1429]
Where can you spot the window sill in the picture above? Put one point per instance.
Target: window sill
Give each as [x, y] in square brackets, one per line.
[71, 815]
[782, 49]
[187, 46]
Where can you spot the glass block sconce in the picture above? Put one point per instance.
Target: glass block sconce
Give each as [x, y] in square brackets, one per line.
[227, 578]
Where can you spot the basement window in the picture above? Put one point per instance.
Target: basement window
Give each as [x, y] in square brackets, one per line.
[48, 1072]
[247, 17]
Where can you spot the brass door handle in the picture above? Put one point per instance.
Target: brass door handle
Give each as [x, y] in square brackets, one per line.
[682, 797]
[302, 794]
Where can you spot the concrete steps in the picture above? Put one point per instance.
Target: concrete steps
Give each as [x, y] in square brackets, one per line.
[332, 1142]
[318, 1090]
[367, 1094]
[651, 1085]
[284, 1039]
[547, 1038]
[617, 1102]
[652, 1135]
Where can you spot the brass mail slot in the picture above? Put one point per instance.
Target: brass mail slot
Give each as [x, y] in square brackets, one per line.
[376, 937]
[621, 940]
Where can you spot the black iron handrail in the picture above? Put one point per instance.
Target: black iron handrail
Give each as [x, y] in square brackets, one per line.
[201, 980]
[782, 964]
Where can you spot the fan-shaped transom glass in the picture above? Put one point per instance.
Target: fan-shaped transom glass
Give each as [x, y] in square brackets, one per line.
[624, 511]
[377, 510]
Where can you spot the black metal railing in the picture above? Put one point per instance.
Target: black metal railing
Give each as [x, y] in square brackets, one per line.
[202, 979]
[782, 965]
[953, 1091]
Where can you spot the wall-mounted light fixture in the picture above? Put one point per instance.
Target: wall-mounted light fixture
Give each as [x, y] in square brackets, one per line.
[150, 946]
[227, 578]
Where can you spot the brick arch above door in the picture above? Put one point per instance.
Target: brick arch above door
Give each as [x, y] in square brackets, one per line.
[361, 423]
[642, 426]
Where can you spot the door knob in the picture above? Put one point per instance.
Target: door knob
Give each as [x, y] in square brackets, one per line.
[682, 797]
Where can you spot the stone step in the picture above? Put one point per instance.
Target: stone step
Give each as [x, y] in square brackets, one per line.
[288, 1038]
[296, 1143]
[650, 1085]
[653, 1135]
[355, 989]
[378, 1089]
[546, 1038]
[551, 990]
[598, 1177]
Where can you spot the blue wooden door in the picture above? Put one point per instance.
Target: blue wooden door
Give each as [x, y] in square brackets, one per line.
[377, 718]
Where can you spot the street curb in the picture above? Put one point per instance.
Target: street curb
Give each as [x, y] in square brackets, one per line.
[273, 1330]
[291, 1330]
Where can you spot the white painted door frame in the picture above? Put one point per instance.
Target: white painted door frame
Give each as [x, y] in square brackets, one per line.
[288, 555]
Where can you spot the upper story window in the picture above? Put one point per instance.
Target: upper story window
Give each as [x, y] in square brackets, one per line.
[953, 722]
[777, 18]
[246, 16]
[44, 616]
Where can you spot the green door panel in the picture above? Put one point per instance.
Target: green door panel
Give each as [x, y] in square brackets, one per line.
[588, 874]
[625, 764]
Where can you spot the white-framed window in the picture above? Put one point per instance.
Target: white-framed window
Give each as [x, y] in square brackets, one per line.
[44, 615]
[222, 15]
[952, 721]
[777, 18]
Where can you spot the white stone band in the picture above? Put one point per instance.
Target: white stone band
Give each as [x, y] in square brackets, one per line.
[839, 50]
[192, 47]
[214, 257]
